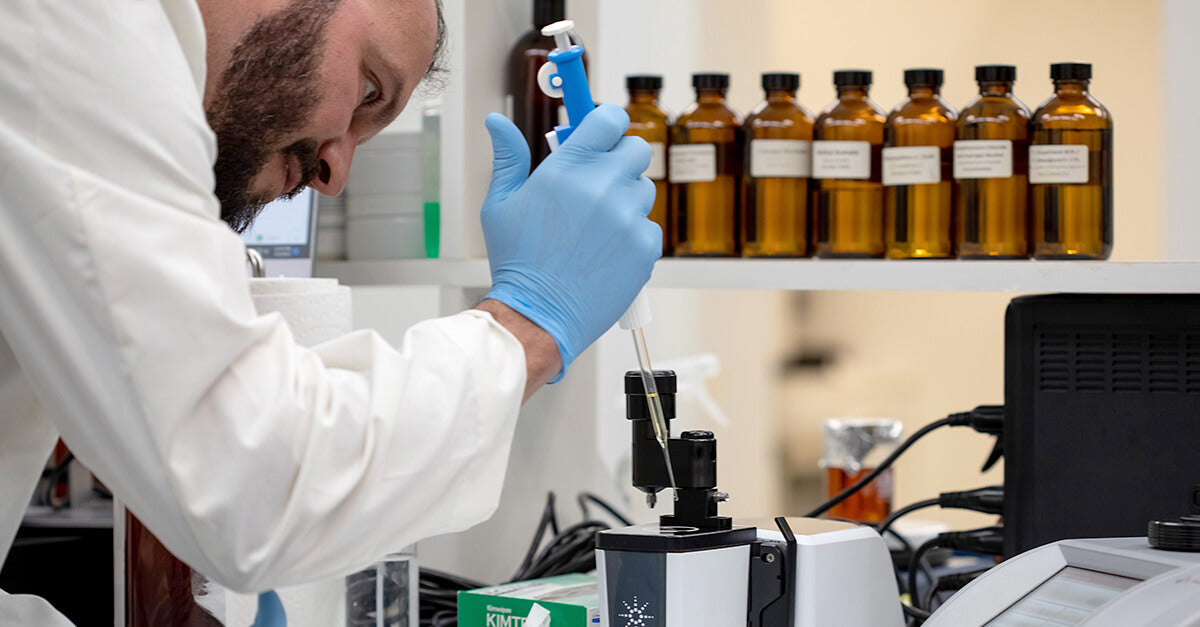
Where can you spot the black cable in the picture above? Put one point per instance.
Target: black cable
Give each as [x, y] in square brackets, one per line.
[987, 419]
[918, 615]
[913, 567]
[884, 465]
[886, 525]
[583, 499]
[986, 540]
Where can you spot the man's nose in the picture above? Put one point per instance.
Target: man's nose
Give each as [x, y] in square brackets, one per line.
[335, 156]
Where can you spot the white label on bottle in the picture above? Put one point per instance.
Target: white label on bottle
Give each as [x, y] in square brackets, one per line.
[781, 158]
[912, 165]
[841, 160]
[1058, 164]
[983, 158]
[657, 170]
[694, 163]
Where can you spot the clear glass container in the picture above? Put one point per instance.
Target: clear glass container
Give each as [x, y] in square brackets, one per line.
[853, 449]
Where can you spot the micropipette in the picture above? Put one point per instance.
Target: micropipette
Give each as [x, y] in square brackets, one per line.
[564, 77]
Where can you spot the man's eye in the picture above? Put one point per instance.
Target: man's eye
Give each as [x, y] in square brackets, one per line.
[371, 93]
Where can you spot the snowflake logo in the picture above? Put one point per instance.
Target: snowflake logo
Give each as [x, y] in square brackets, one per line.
[635, 614]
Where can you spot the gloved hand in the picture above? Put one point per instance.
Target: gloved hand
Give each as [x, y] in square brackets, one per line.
[570, 245]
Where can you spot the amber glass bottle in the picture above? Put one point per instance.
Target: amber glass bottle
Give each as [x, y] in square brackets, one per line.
[650, 122]
[1070, 170]
[918, 166]
[779, 161]
[848, 139]
[533, 111]
[704, 166]
[991, 169]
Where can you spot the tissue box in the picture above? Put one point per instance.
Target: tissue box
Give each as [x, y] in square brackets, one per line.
[572, 600]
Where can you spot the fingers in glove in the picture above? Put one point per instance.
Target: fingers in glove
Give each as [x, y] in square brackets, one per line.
[600, 130]
[634, 155]
[510, 156]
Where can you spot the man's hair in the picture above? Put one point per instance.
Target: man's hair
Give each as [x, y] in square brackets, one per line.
[438, 72]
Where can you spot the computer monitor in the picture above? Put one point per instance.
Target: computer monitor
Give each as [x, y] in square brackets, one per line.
[284, 234]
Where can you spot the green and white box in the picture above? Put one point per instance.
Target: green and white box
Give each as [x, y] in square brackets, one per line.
[572, 600]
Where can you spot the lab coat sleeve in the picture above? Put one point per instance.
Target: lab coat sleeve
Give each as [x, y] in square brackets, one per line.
[259, 462]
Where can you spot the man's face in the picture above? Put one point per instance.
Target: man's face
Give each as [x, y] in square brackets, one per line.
[305, 84]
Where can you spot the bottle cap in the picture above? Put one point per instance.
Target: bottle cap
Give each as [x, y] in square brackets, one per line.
[644, 82]
[710, 81]
[995, 73]
[1071, 71]
[923, 76]
[780, 81]
[548, 11]
[856, 78]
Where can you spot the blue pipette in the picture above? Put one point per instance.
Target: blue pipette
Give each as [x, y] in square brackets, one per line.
[564, 77]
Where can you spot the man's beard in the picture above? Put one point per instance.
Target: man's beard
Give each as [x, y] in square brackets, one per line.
[267, 93]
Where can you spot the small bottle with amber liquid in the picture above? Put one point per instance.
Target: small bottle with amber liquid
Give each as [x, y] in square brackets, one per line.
[917, 171]
[847, 142]
[991, 170]
[704, 165]
[1070, 170]
[649, 121]
[779, 161]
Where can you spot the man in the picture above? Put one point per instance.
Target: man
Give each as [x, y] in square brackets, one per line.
[127, 130]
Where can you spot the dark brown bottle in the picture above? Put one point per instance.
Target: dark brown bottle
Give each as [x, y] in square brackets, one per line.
[778, 165]
[848, 140]
[1070, 170]
[705, 163]
[533, 111]
[991, 170]
[649, 121]
[918, 166]
[159, 588]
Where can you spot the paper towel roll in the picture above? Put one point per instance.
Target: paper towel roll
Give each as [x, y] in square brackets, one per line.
[317, 310]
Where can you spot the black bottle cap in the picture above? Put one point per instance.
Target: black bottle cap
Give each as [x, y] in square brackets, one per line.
[780, 81]
[664, 380]
[643, 82]
[1071, 71]
[546, 12]
[923, 76]
[995, 73]
[710, 81]
[852, 78]
[1175, 535]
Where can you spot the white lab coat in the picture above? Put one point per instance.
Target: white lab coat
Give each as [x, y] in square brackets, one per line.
[126, 326]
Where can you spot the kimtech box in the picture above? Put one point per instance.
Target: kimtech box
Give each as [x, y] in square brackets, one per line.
[572, 600]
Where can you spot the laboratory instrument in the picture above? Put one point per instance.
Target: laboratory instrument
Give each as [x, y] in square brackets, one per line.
[775, 188]
[284, 235]
[528, 106]
[704, 168]
[848, 140]
[563, 76]
[991, 169]
[1100, 429]
[918, 171]
[648, 120]
[1071, 170]
[696, 567]
[1106, 582]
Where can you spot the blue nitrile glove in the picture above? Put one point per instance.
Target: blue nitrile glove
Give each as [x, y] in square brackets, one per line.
[570, 245]
[270, 611]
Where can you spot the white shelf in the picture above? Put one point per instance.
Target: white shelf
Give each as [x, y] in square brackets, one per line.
[814, 275]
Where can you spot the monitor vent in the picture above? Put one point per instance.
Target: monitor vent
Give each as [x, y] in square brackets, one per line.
[1160, 363]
